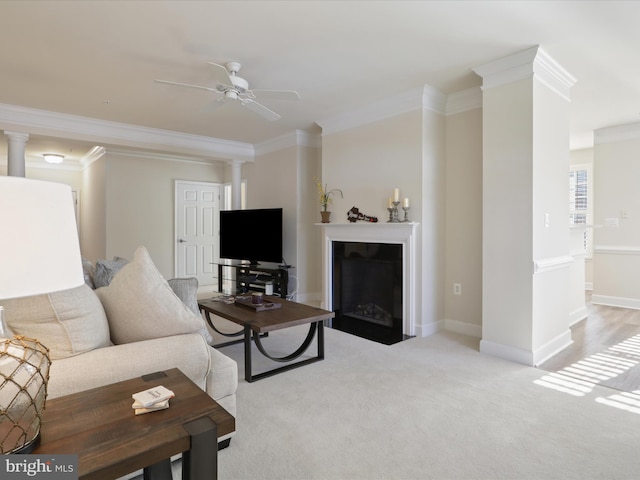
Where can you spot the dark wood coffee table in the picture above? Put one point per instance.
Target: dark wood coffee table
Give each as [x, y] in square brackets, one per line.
[99, 426]
[260, 323]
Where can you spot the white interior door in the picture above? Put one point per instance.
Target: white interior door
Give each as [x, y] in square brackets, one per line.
[197, 215]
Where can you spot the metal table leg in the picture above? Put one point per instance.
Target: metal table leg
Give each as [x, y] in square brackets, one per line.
[201, 460]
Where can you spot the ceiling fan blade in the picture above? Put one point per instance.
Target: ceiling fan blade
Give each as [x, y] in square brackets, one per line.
[276, 94]
[260, 110]
[209, 89]
[221, 74]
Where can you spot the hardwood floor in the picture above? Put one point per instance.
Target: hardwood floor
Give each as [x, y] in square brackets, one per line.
[605, 349]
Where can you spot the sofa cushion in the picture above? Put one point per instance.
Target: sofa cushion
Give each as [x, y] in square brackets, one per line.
[113, 364]
[106, 269]
[140, 304]
[187, 290]
[89, 271]
[67, 322]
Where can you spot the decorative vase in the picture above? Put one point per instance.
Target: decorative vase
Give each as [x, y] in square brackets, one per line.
[325, 216]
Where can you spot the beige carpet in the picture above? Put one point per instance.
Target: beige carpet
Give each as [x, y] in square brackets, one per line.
[426, 408]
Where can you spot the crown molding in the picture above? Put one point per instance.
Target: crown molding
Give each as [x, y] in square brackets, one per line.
[532, 62]
[95, 154]
[43, 122]
[167, 157]
[463, 101]
[425, 97]
[618, 133]
[297, 138]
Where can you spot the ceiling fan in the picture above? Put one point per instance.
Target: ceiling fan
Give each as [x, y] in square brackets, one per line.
[232, 87]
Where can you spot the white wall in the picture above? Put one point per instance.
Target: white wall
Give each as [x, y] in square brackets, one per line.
[616, 259]
[369, 161]
[463, 215]
[284, 178]
[139, 194]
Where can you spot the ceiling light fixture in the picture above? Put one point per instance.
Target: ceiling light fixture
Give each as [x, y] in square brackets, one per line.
[53, 157]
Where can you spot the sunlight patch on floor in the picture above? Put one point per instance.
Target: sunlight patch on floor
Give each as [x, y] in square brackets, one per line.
[579, 378]
[629, 401]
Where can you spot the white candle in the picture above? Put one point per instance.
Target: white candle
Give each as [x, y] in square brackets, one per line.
[396, 194]
[390, 202]
[405, 203]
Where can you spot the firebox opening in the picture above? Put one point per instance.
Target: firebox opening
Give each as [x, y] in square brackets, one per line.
[367, 290]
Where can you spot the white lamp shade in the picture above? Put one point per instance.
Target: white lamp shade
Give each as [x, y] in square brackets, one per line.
[39, 247]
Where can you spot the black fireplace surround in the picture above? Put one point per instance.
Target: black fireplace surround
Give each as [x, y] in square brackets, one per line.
[367, 290]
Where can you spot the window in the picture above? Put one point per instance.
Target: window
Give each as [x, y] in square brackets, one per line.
[580, 200]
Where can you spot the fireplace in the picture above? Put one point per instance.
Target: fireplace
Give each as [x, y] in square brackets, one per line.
[367, 290]
[369, 279]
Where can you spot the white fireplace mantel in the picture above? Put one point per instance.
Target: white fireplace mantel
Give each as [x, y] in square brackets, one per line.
[393, 233]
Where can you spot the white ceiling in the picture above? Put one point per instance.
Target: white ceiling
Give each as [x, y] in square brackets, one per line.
[99, 59]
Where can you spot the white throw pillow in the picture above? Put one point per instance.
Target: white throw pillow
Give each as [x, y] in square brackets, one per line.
[140, 304]
[67, 322]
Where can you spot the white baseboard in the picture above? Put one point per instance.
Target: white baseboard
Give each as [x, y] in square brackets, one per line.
[632, 303]
[463, 328]
[527, 357]
[507, 352]
[577, 315]
[425, 330]
[552, 347]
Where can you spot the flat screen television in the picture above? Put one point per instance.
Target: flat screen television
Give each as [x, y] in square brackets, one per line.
[251, 235]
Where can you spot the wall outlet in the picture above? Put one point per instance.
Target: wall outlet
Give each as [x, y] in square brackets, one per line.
[457, 289]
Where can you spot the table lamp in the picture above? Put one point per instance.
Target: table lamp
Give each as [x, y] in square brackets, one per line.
[39, 253]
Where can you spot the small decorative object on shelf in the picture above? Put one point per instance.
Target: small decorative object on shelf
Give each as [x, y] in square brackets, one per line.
[354, 214]
[405, 207]
[394, 203]
[393, 212]
[325, 198]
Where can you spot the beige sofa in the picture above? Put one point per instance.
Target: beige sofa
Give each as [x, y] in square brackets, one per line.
[134, 326]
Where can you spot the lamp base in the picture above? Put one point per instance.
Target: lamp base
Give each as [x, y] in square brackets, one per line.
[28, 447]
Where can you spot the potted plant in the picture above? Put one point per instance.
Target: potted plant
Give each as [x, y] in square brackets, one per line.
[325, 198]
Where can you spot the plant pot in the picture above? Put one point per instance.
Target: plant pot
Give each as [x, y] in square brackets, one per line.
[326, 216]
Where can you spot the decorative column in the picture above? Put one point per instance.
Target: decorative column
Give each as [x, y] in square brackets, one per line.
[236, 181]
[16, 142]
[525, 244]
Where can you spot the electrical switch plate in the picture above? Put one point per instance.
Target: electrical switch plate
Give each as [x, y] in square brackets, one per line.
[457, 289]
[546, 220]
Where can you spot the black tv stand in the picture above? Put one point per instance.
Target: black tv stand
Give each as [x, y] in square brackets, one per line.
[255, 278]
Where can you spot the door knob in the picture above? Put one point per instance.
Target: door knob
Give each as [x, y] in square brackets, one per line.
[181, 240]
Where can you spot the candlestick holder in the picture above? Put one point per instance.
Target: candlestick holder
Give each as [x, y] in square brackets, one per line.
[406, 214]
[393, 213]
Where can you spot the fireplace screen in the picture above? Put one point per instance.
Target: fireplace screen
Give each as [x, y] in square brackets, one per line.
[367, 290]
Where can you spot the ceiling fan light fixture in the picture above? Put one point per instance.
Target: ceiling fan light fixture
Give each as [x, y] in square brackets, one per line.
[53, 157]
[231, 95]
